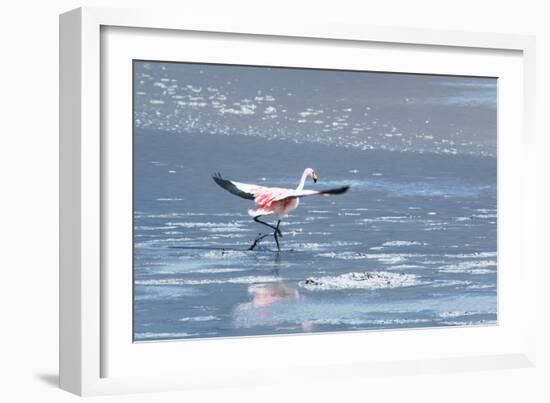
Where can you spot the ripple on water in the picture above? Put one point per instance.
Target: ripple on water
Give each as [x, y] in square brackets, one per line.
[231, 280]
[471, 267]
[206, 318]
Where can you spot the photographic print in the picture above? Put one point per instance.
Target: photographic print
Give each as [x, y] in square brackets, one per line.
[275, 200]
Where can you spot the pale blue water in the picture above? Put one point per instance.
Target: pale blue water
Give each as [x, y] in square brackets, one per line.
[418, 225]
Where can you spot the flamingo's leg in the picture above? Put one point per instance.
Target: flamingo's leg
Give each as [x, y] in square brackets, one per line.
[275, 228]
[277, 236]
[278, 230]
[277, 240]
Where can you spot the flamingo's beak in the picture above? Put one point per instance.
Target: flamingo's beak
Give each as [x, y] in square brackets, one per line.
[314, 177]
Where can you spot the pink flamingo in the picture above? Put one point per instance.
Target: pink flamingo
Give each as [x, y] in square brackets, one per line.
[271, 200]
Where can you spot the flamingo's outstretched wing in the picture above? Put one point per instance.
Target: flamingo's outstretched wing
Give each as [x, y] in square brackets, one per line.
[243, 190]
[303, 193]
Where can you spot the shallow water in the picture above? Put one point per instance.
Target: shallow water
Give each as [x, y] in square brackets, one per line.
[361, 110]
[412, 244]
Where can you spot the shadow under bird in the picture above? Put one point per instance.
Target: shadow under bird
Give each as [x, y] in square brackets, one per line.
[273, 200]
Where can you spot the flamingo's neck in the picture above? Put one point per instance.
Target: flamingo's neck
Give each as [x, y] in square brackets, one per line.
[302, 181]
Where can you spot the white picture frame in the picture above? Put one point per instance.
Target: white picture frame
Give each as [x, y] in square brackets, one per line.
[92, 350]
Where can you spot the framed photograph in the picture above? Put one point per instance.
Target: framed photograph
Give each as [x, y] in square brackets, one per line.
[242, 201]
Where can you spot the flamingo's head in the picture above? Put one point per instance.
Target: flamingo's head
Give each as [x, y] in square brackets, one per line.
[311, 172]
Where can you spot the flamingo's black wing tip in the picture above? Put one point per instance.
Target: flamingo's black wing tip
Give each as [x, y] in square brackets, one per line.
[337, 191]
[231, 187]
[343, 189]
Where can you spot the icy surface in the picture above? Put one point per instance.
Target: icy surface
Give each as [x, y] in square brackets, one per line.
[360, 280]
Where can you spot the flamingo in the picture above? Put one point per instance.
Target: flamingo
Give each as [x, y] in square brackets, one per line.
[272, 200]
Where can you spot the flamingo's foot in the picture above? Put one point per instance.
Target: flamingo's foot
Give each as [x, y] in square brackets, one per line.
[258, 240]
[260, 237]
